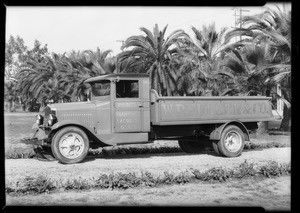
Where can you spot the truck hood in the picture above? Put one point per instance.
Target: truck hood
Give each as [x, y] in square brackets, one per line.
[72, 106]
[82, 112]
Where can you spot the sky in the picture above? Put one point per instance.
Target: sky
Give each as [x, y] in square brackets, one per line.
[85, 28]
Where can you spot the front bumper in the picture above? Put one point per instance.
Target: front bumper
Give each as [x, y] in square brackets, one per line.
[39, 137]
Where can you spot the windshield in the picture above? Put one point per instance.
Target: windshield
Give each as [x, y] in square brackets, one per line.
[101, 88]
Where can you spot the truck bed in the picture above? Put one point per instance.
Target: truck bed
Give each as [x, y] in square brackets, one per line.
[178, 110]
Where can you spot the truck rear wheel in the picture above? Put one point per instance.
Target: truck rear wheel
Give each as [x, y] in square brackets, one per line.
[70, 145]
[232, 141]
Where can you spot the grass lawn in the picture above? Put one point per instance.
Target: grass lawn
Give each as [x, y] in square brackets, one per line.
[18, 125]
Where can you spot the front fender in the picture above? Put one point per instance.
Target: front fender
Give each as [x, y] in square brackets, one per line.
[63, 123]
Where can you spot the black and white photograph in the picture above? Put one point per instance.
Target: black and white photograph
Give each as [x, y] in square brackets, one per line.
[148, 106]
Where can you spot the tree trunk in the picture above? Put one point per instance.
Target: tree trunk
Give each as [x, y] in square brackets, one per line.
[263, 127]
[285, 123]
[11, 106]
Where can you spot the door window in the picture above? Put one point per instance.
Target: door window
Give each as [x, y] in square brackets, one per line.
[127, 89]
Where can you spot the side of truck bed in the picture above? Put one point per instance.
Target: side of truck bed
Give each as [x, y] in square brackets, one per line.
[204, 110]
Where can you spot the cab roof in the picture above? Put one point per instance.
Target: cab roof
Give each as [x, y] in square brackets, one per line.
[114, 76]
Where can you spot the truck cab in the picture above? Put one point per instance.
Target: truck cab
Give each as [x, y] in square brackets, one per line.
[125, 118]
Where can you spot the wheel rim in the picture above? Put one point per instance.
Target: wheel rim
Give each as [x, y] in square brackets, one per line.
[233, 141]
[71, 145]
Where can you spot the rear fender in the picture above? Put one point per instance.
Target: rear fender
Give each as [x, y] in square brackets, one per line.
[216, 134]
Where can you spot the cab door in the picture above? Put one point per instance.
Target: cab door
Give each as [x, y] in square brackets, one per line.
[131, 109]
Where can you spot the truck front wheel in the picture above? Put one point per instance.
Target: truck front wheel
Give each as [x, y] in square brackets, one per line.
[70, 145]
[232, 142]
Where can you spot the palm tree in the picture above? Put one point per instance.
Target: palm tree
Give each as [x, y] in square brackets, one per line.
[273, 29]
[247, 64]
[152, 53]
[95, 62]
[60, 77]
[10, 93]
[35, 79]
[81, 66]
[200, 62]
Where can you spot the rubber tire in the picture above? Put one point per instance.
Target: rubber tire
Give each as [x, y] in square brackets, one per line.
[191, 146]
[55, 142]
[215, 147]
[221, 143]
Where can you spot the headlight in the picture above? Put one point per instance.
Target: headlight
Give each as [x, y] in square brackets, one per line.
[52, 119]
[39, 119]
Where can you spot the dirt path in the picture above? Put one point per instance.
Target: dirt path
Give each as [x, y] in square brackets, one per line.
[155, 163]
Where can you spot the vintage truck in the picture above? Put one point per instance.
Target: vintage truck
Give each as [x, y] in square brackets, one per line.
[123, 110]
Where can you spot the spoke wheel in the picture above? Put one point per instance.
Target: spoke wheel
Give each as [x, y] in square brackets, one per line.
[70, 145]
[232, 142]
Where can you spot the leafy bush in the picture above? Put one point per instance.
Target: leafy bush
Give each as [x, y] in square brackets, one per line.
[78, 184]
[148, 179]
[43, 184]
[183, 177]
[274, 169]
[217, 174]
[132, 150]
[124, 181]
[39, 184]
[168, 178]
[245, 169]
[103, 181]
[17, 155]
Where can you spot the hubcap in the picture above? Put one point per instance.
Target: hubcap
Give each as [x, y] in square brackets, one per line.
[233, 141]
[71, 145]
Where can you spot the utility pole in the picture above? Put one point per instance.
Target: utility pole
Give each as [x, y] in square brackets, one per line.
[117, 69]
[238, 20]
[121, 41]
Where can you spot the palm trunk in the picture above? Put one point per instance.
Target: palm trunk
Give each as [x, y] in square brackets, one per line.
[285, 123]
[10, 107]
[263, 127]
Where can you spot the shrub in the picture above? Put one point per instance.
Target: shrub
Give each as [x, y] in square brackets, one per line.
[124, 181]
[148, 179]
[245, 169]
[168, 177]
[38, 184]
[103, 181]
[43, 184]
[218, 174]
[11, 154]
[274, 169]
[79, 184]
[183, 177]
